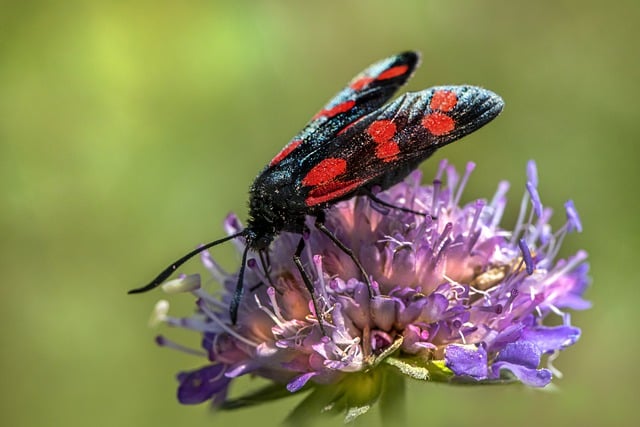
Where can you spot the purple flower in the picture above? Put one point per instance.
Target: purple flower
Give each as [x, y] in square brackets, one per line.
[457, 299]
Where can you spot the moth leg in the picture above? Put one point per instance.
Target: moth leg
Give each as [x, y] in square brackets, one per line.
[320, 226]
[237, 295]
[266, 265]
[267, 258]
[307, 282]
[379, 201]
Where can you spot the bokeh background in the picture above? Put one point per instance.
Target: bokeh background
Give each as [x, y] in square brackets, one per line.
[129, 129]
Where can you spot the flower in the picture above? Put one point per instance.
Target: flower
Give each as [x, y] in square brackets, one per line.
[457, 299]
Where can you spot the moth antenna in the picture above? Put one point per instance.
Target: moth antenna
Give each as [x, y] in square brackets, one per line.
[237, 295]
[174, 266]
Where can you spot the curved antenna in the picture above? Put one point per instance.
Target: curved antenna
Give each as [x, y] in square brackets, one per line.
[174, 266]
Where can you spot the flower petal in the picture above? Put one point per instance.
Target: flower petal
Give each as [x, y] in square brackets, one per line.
[522, 358]
[530, 377]
[467, 360]
[521, 353]
[202, 384]
[549, 339]
[300, 381]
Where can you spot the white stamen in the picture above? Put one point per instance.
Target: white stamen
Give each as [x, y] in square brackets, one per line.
[556, 310]
[159, 313]
[187, 283]
[452, 180]
[441, 167]
[498, 211]
[210, 299]
[267, 311]
[184, 349]
[464, 341]
[463, 182]
[219, 275]
[479, 205]
[421, 206]
[271, 292]
[192, 323]
[485, 294]
[501, 192]
[391, 239]
[570, 265]
[322, 290]
[520, 221]
[549, 248]
[534, 232]
[554, 371]
[449, 279]
[456, 289]
[226, 327]
[443, 239]
[559, 239]
[435, 201]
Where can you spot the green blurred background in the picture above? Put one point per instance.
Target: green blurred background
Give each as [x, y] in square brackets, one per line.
[129, 129]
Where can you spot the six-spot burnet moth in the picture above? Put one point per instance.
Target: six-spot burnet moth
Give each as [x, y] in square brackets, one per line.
[354, 145]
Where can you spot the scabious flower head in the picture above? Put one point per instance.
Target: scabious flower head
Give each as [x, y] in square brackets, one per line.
[457, 298]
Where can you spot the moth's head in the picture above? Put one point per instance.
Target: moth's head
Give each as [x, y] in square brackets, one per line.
[259, 235]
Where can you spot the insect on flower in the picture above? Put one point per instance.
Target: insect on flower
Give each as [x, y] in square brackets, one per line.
[355, 145]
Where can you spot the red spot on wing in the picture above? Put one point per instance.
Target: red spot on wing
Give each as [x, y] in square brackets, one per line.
[392, 72]
[325, 172]
[387, 151]
[443, 100]
[285, 152]
[381, 130]
[340, 108]
[361, 82]
[331, 191]
[438, 123]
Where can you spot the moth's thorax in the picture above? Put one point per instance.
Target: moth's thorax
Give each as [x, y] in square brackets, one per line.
[275, 203]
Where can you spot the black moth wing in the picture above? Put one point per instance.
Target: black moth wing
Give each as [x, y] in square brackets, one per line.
[365, 93]
[383, 147]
